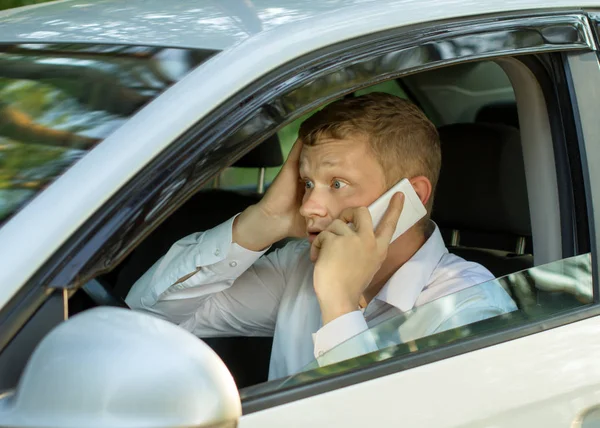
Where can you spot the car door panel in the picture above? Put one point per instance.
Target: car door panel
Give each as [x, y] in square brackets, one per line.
[545, 379]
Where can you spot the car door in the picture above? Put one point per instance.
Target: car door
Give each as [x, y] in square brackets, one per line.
[197, 140]
[545, 375]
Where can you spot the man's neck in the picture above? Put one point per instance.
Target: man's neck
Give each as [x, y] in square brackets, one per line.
[399, 252]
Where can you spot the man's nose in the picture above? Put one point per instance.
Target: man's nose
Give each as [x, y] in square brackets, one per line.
[313, 205]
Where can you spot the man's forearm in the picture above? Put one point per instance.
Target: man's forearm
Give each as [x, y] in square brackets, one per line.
[254, 230]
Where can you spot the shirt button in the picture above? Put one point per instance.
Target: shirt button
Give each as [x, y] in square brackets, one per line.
[233, 264]
[217, 252]
[321, 353]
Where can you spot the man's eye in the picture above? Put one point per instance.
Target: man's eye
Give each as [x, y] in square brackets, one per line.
[308, 185]
[337, 184]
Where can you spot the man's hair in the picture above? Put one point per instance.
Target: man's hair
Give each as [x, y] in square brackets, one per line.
[402, 138]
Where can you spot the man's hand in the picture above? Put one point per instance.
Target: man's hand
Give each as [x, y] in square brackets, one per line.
[277, 215]
[347, 257]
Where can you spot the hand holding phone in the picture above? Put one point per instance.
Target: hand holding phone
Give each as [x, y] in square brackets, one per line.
[413, 210]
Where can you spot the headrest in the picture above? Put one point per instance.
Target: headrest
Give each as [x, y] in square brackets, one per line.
[505, 113]
[266, 155]
[482, 182]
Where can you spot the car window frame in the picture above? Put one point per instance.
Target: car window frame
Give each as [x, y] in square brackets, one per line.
[92, 237]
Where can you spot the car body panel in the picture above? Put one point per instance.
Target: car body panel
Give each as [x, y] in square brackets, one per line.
[214, 24]
[543, 380]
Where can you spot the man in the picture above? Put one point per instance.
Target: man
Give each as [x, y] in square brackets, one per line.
[317, 293]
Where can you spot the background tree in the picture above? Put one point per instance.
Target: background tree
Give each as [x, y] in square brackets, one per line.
[8, 4]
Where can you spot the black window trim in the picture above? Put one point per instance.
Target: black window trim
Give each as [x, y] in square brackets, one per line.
[593, 226]
[69, 266]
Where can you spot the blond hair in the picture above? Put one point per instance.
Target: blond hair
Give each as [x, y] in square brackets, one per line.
[401, 137]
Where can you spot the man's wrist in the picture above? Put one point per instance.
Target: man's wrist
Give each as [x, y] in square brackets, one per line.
[253, 230]
[330, 310]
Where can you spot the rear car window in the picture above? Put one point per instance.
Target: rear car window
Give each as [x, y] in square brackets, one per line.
[59, 101]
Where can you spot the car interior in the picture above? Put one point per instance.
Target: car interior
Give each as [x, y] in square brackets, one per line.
[482, 203]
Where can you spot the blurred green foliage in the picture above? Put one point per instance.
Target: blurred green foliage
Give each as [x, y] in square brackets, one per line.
[8, 4]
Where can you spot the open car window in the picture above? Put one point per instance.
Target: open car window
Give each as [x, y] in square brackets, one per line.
[539, 293]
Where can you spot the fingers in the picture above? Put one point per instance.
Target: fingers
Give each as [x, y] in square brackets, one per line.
[387, 226]
[318, 244]
[360, 218]
[336, 228]
[339, 227]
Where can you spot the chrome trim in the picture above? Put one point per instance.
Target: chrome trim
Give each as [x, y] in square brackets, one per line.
[260, 189]
[65, 304]
[455, 238]
[521, 243]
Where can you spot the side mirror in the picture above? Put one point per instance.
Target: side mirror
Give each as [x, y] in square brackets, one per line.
[112, 367]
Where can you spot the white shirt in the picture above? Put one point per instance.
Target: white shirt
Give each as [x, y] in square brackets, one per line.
[236, 292]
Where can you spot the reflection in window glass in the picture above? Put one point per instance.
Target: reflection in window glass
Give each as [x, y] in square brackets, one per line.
[540, 292]
[58, 101]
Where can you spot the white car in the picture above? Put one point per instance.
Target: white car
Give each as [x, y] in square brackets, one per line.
[125, 125]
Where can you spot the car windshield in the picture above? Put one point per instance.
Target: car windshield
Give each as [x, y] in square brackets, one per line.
[58, 101]
[539, 293]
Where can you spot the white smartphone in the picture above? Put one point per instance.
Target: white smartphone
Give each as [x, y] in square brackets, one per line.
[413, 210]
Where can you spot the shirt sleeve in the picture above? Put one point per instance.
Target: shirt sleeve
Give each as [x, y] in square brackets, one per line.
[343, 338]
[213, 287]
[481, 302]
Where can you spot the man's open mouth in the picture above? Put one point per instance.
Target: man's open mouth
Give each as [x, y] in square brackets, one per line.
[312, 234]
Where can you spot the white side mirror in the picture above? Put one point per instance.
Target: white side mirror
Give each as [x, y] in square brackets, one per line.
[111, 367]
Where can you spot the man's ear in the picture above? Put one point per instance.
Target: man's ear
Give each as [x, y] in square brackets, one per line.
[423, 187]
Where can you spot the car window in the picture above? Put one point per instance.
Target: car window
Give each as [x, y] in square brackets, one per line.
[59, 101]
[464, 93]
[246, 178]
[539, 293]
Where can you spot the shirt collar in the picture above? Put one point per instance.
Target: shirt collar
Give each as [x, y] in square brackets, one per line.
[405, 285]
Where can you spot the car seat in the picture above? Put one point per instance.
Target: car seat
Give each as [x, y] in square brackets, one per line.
[481, 204]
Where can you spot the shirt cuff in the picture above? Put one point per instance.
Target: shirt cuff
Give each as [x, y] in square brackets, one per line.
[338, 331]
[237, 261]
[212, 250]
[230, 259]
[344, 338]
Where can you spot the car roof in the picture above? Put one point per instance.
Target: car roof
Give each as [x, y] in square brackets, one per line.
[217, 24]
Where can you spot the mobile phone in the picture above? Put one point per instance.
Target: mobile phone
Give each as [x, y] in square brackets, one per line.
[412, 212]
